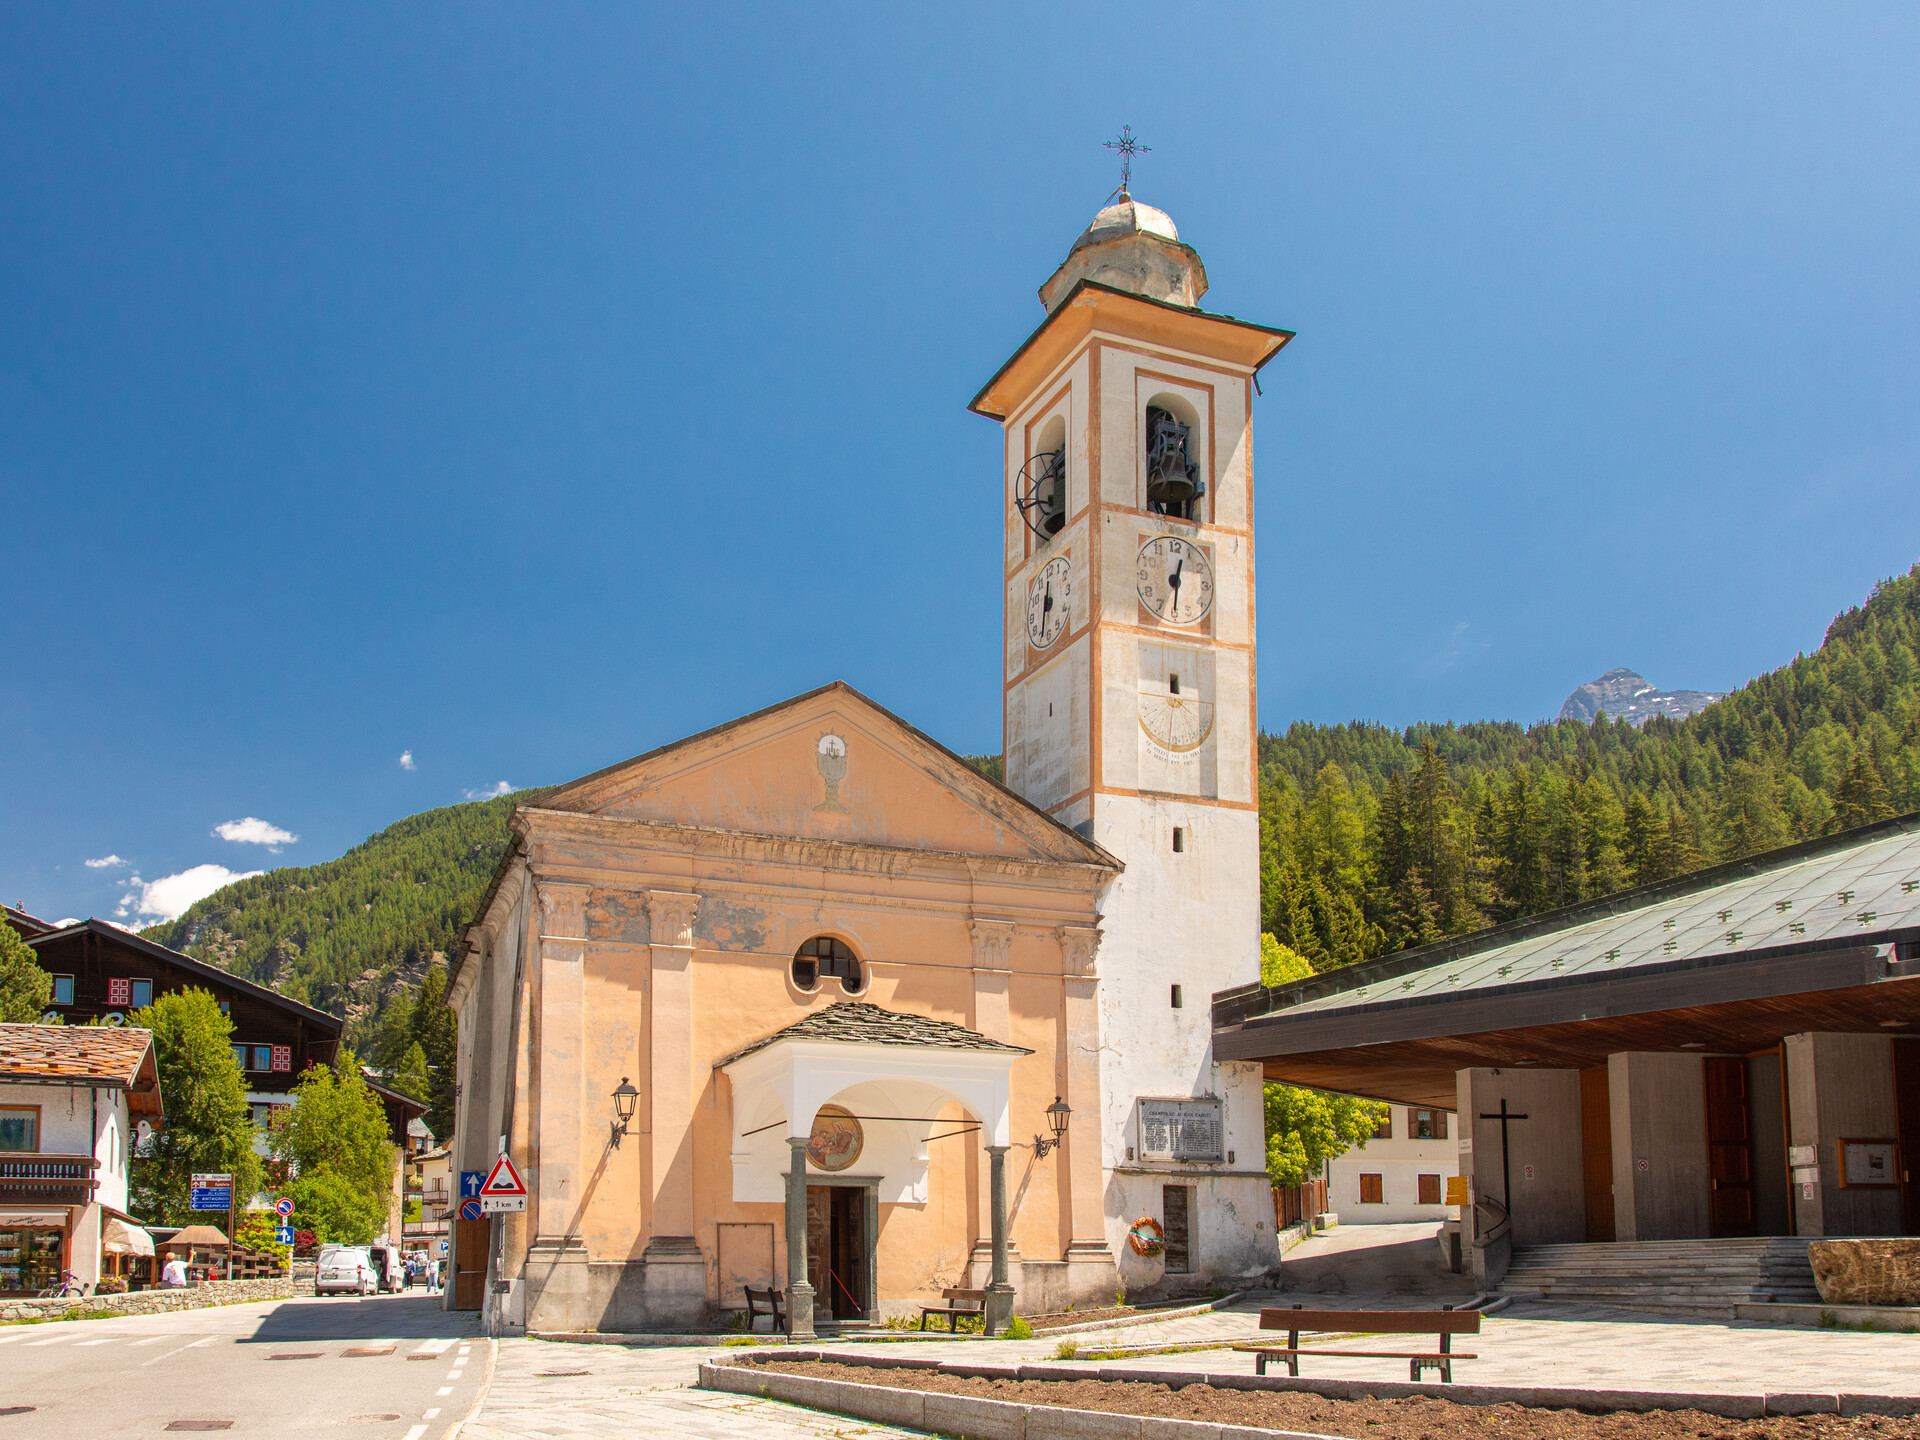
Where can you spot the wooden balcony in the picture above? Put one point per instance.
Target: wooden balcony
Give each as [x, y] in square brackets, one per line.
[48, 1179]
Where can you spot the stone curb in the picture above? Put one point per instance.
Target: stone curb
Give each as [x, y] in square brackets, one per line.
[613, 1337]
[1734, 1407]
[970, 1416]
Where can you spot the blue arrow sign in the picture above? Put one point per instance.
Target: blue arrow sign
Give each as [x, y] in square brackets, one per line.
[284, 1234]
[471, 1181]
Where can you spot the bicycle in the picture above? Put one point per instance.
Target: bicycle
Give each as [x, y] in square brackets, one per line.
[70, 1287]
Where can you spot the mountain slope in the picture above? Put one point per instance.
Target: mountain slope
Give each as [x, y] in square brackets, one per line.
[341, 935]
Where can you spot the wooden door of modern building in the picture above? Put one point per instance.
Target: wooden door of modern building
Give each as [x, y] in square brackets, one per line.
[1596, 1151]
[1906, 1097]
[1729, 1148]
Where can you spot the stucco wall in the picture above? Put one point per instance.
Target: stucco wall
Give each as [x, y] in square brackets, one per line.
[1549, 1204]
[1657, 1107]
[1840, 1087]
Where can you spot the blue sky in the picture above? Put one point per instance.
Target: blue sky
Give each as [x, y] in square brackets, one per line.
[516, 389]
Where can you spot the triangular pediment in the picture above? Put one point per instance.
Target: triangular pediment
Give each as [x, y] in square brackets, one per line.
[828, 765]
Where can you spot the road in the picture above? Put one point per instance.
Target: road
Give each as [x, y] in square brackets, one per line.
[389, 1367]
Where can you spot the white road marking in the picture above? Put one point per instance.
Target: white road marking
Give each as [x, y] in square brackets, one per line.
[108, 1341]
[444, 1390]
[453, 1374]
[205, 1340]
[35, 1344]
[431, 1414]
[154, 1340]
[167, 1355]
[416, 1432]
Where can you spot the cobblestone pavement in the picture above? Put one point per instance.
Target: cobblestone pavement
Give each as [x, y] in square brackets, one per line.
[648, 1391]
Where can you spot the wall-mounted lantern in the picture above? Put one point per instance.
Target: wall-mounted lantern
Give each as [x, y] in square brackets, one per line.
[1058, 1114]
[624, 1100]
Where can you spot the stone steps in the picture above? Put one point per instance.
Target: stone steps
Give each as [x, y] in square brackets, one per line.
[1669, 1273]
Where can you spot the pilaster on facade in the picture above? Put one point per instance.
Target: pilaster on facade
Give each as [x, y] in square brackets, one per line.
[670, 916]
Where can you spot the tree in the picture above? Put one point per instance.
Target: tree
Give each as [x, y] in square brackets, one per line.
[1281, 966]
[1862, 796]
[409, 1076]
[1306, 1128]
[333, 1141]
[1747, 818]
[25, 988]
[209, 1125]
[437, 1033]
[393, 1033]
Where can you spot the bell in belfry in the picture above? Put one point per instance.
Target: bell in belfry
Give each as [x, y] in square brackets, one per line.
[1173, 480]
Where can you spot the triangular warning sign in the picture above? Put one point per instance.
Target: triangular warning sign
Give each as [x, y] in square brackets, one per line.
[503, 1179]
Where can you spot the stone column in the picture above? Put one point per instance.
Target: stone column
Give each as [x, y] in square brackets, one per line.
[999, 1292]
[799, 1292]
[1082, 1165]
[670, 1086]
[992, 1017]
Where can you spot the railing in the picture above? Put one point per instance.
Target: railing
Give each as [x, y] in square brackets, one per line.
[45, 1174]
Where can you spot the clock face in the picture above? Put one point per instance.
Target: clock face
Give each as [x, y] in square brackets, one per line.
[1047, 596]
[1176, 722]
[1174, 580]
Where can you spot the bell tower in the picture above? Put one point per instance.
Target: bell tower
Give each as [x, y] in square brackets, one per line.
[1128, 713]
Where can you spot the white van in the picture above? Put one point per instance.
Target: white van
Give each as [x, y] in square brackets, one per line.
[389, 1269]
[344, 1270]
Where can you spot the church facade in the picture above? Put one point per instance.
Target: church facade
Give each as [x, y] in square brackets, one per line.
[808, 1002]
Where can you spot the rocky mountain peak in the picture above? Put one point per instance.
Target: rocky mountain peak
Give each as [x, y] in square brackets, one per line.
[1628, 695]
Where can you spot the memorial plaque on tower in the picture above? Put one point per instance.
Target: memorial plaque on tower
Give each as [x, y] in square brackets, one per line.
[1181, 1130]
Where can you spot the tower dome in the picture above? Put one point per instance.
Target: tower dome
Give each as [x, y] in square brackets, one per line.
[1133, 247]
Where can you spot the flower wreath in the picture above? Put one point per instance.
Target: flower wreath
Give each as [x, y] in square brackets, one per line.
[1146, 1237]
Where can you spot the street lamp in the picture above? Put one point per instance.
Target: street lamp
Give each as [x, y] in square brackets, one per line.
[1058, 1114]
[623, 1102]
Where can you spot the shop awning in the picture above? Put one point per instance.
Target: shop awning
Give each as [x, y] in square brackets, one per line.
[119, 1237]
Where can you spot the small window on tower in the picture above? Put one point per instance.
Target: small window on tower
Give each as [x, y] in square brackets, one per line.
[1176, 997]
[1179, 840]
[1173, 684]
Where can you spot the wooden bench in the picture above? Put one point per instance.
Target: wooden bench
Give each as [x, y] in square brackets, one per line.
[771, 1302]
[960, 1302]
[1444, 1323]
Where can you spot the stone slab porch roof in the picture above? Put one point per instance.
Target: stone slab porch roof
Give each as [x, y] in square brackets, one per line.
[75, 1054]
[854, 1022]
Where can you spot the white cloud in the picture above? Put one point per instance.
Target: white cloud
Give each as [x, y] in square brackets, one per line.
[255, 832]
[500, 787]
[104, 862]
[406, 760]
[168, 897]
[70, 920]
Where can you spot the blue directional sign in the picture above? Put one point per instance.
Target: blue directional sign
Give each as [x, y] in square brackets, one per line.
[212, 1200]
[283, 1234]
[471, 1181]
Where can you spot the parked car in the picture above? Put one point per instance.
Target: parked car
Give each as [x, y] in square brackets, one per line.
[388, 1269]
[345, 1270]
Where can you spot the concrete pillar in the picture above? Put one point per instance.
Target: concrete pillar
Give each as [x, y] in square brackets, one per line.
[1093, 1274]
[999, 1292]
[1657, 1108]
[1543, 1156]
[670, 1090]
[799, 1292]
[1839, 1087]
[992, 970]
